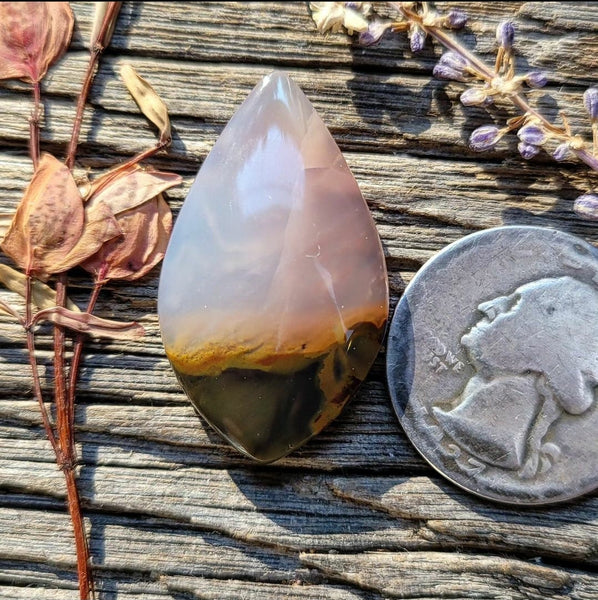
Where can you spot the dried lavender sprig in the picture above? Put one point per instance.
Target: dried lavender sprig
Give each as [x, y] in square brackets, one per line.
[518, 100]
[462, 65]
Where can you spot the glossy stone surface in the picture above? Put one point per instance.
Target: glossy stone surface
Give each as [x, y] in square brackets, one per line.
[273, 296]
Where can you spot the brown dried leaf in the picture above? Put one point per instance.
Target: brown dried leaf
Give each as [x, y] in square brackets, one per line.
[100, 226]
[90, 324]
[33, 35]
[42, 295]
[49, 219]
[146, 230]
[147, 99]
[144, 217]
[101, 8]
[125, 190]
[164, 228]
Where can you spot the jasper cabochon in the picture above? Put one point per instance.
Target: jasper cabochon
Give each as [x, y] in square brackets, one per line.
[273, 296]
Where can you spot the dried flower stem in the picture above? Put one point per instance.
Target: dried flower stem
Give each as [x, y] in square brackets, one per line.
[96, 51]
[441, 36]
[65, 425]
[74, 504]
[62, 421]
[65, 397]
[146, 154]
[34, 125]
[62, 447]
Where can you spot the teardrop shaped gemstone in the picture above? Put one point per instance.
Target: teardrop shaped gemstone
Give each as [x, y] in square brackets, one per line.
[273, 296]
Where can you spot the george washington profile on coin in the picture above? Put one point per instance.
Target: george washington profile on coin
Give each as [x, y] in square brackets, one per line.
[492, 364]
[535, 358]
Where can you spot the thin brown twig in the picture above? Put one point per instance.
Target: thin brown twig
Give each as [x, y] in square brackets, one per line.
[145, 154]
[83, 562]
[34, 120]
[65, 397]
[96, 51]
[62, 420]
[66, 438]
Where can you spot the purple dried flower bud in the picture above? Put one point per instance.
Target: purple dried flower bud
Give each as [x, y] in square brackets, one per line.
[590, 101]
[562, 152]
[474, 97]
[587, 206]
[453, 60]
[505, 34]
[527, 150]
[445, 72]
[533, 135]
[536, 79]
[456, 19]
[484, 138]
[373, 34]
[417, 39]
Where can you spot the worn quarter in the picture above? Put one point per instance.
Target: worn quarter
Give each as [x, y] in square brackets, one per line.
[492, 364]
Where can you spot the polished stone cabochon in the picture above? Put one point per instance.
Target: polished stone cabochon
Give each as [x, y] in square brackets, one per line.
[273, 296]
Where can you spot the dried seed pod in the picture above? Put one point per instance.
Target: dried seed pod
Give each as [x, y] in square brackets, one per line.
[101, 9]
[51, 231]
[147, 99]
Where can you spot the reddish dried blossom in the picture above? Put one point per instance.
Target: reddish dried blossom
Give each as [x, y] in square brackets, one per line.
[135, 197]
[33, 35]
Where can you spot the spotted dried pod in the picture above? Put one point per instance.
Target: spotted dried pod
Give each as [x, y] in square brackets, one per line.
[33, 35]
[151, 105]
[51, 231]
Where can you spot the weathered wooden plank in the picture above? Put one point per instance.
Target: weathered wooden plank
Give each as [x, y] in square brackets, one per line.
[362, 111]
[144, 432]
[115, 541]
[552, 32]
[450, 515]
[444, 575]
[178, 587]
[275, 508]
[172, 511]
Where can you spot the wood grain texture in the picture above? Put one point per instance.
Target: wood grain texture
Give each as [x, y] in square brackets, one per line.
[174, 513]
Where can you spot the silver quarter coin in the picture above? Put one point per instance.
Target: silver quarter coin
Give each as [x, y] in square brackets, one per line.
[492, 364]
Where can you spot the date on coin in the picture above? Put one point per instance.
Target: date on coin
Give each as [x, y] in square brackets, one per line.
[492, 364]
